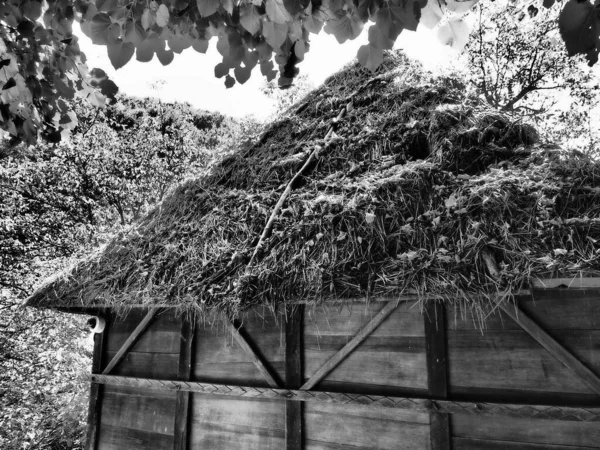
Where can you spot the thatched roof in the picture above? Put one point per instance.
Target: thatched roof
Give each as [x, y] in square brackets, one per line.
[417, 181]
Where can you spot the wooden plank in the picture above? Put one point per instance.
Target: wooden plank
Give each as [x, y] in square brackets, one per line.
[164, 337]
[437, 372]
[221, 423]
[219, 358]
[131, 340]
[260, 365]
[550, 344]
[95, 404]
[526, 430]
[351, 427]
[481, 444]
[147, 365]
[575, 282]
[350, 346]
[293, 375]
[546, 412]
[182, 413]
[435, 335]
[114, 437]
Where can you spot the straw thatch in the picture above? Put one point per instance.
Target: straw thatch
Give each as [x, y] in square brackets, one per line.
[416, 182]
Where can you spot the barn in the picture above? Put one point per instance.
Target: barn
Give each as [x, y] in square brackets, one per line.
[392, 265]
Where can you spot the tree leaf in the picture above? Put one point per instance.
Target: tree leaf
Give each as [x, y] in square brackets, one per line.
[145, 51]
[250, 18]
[162, 15]
[148, 19]
[120, 54]
[578, 25]
[229, 81]
[275, 33]
[295, 6]
[431, 14]
[392, 19]
[370, 56]
[103, 30]
[459, 6]
[221, 70]
[549, 3]
[134, 33]
[207, 7]
[200, 45]
[242, 74]
[32, 9]
[227, 5]
[378, 40]
[312, 25]
[276, 11]
[165, 56]
[344, 28]
[455, 33]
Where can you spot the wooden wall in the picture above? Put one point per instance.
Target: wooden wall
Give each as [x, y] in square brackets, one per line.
[408, 355]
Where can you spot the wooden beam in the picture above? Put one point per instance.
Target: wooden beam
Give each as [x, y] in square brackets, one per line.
[574, 282]
[437, 372]
[260, 365]
[182, 410]
[541, 412]
[293, 375]
[555, 348]
[95, 405]
[336, 359]
[131, 340]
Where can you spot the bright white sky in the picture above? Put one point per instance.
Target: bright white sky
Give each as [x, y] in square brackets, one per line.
[190, 77]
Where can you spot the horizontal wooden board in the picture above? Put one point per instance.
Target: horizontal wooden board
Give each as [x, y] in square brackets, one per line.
[220, 423]
[219, 357]
[119, 438]
[529, 431]
[393, 355]
[152, 414]
[554, 309]
[354, 427]
[162, 366]
[512, 359]
[161, 336]
[480, 444]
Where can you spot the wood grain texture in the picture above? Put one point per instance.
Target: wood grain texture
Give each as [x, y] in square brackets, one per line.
[293, 375]
[219, 358]
[219, 423]
[348, 426]
[528, 431]
[131, 340]
[575, 282]
[554, 347]
[180, 441]
[162, 337]
[437, 372]
[118, 438]
[480, 444]
[161, 366]
[393, 355]
[95, 401]
[149, 413]
[255, 357]
[336, 359]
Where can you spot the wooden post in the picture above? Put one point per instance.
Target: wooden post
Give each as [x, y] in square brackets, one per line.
[437, 372]
[293, 375]
[95, 405]
[182, 406]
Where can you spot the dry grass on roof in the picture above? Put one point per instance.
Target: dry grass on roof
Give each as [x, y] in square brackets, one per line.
[416, 182]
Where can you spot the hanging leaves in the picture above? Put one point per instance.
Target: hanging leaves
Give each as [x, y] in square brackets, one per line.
[120, 54]
[580, 29]
[454, 33]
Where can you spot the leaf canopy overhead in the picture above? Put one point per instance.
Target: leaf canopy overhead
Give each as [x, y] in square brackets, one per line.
[42, 65]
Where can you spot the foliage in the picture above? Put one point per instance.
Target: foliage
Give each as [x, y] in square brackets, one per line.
[57, 201]
[285, 98]
[42, 64]
[518, 64]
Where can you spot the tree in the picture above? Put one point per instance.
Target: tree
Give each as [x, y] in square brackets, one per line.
[42, 64]
[518, 65]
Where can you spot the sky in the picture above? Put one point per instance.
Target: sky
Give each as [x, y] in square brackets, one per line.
[190, 77]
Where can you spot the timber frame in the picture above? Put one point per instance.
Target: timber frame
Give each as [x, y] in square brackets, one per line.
[295, 391]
